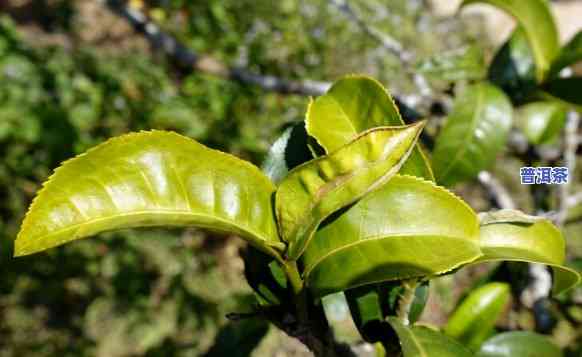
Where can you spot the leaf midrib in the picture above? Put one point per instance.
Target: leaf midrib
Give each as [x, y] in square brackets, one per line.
[474, 122]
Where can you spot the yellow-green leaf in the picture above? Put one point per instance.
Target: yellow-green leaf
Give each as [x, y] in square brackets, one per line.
[474, 133]
[318, 188]
[474, 320]
[151, 179]
[519, 343]
[536, 19]
[541, 122]
[537, 242]
[420, 341]
[351, 106]
[408, 228]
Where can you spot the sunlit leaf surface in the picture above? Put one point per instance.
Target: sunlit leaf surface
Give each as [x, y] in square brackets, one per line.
[318, 188]
[351, 106]
[407, 228]
[150, 179]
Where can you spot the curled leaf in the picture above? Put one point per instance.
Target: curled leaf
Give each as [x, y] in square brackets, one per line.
[313, 191]
[538, 23]
[407, 228]
[538, 242]
[151, 179]
[351, 106]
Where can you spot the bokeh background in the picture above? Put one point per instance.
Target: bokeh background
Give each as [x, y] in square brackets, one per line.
[73, 73]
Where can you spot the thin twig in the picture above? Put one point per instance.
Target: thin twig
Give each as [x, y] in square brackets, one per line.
[570, 147]
[387, 42]
[406, 300]
[499, 194]
[392, 46]
[189, 61]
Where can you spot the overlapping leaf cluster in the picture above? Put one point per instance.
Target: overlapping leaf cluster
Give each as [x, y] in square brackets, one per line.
[377, 226]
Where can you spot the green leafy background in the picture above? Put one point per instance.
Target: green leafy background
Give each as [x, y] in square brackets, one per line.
[73, 75]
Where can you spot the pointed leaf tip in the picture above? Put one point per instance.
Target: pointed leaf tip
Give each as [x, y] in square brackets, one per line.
[313, 191]
[152, 178]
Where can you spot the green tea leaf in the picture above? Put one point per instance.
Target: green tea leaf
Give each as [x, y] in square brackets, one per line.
[474, 133]
[407, 228]
[151, 179]
[567, 90]
[570, 54]
[460, 64]
[351, 106]
[519, 343]
[538, 23]
[420, 341]
[513, 67]
[541, 122]
[313, 191]
[474, 320]
[539, 242]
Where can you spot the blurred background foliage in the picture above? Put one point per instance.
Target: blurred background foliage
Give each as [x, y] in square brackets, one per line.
[72, 74]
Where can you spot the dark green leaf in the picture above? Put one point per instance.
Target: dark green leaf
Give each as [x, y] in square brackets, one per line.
[420, 341]
[351, 106]
[151, 179]
[474, 133]
[567, 90]
[291, 149]
[371, 304]
[264, 274]
[513, 67]
[239, 338]
[474, 320]
[407, 228]
[519, 343]
[318, 188]
[538, 23]
[570, 54]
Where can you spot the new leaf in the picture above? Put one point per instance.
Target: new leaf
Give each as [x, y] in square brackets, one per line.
[313, 191]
